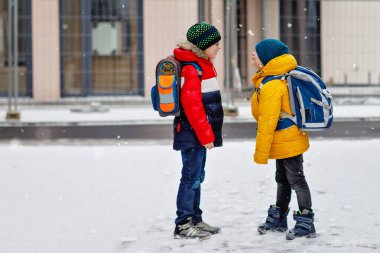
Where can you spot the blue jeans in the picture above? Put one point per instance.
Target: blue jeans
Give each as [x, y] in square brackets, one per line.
[189, 192]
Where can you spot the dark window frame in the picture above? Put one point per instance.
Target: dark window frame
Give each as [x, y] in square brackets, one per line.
[300, 29]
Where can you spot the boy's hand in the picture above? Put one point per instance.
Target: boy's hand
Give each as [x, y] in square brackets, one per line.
[209, 145]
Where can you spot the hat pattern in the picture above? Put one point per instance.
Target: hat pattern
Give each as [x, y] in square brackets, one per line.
[203, 35]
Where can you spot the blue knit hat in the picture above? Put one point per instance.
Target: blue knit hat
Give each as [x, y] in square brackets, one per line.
[270, 48]
[203, 35]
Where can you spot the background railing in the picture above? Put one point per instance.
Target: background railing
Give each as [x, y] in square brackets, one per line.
[102, 41]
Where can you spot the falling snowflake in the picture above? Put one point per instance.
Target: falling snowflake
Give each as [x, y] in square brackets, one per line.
[251, 33]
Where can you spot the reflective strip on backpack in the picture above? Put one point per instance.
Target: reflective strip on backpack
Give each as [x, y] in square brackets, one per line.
[288, 116]
[323, 104]
[291, 99]
[302, 106]
[306, 77]
[182, 81]
[166, 98]
[327, 93]
[303, 116]
[310, 126]
[326, 108]
[284, 123]
[326, 111]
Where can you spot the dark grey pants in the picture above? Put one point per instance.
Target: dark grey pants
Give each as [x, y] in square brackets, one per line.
[290, 175]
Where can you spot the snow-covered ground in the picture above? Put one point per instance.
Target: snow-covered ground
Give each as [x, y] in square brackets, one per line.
[120, 197]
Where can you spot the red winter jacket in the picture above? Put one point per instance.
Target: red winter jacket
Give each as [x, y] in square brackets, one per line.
[201, 103]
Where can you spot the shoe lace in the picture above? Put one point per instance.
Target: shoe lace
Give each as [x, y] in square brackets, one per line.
[194, 230]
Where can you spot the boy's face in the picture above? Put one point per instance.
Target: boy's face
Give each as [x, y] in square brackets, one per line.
[256, 61]
[212, 51]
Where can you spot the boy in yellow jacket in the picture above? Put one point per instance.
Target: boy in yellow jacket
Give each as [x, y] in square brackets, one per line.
[272, 58]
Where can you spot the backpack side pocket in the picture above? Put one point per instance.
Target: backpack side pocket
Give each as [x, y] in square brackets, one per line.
[153, 96]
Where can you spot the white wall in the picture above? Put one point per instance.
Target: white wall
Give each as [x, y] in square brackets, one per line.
[166, 23]
[350, 35]
[257, 30]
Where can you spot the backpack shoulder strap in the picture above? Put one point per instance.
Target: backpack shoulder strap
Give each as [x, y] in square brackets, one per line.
[268, 79]
[195, 65]
[285, 119]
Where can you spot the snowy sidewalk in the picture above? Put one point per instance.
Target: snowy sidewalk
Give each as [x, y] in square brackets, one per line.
[144, 114]
[121, 198]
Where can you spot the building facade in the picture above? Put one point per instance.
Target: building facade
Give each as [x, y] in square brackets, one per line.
[81, 48]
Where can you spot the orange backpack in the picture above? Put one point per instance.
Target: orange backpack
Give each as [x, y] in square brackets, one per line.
[165, 94]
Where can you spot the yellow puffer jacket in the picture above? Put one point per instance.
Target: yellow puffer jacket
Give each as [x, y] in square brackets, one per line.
[266, 108]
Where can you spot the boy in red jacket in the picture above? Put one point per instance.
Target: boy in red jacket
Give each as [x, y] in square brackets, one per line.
[198, 127]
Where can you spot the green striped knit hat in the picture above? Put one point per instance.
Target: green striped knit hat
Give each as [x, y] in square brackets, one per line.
[203, 35]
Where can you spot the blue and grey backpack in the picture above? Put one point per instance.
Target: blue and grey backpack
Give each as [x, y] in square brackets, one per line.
[165, 94]
[310, 101]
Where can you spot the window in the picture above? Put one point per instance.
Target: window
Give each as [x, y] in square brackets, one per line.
[102, 51]
[300, 30]
[24, 48]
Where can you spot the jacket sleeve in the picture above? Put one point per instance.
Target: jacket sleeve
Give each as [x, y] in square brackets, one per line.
[191, 99]
[269, 112]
